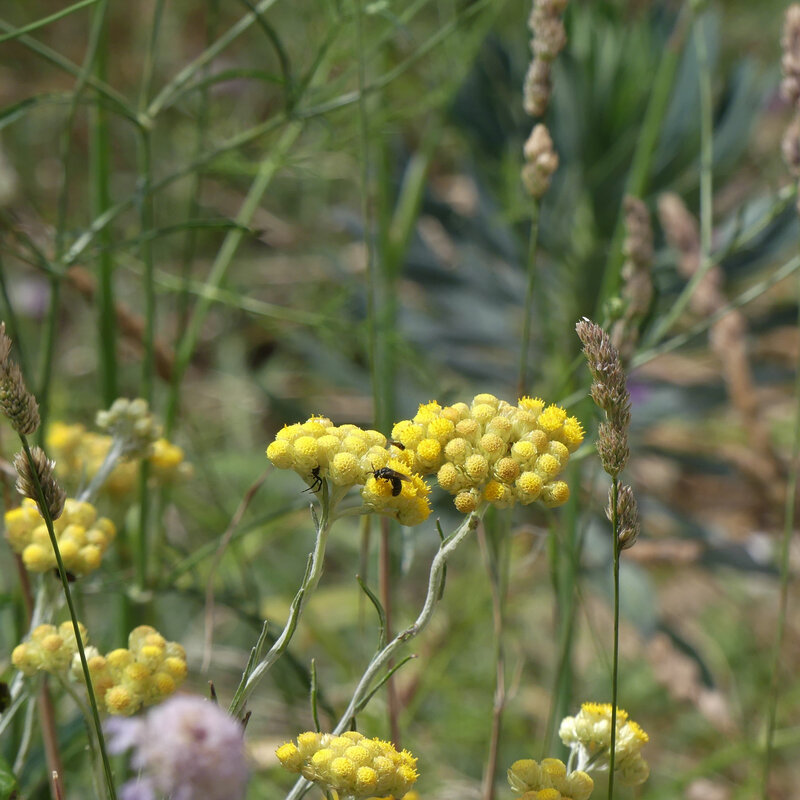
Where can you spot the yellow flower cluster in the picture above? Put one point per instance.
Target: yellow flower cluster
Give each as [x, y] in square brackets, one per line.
[589, 732]
[351, 456]
[350, 764]
[79, 453]
[50, 649]
[82, 536]
[145, 673]
[548, 780]
[490, 450]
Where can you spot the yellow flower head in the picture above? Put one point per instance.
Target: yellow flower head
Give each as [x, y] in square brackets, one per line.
[588, 733]
[493, 451]
[350, 456]
[49, 648]
[548, 780]
[146, 672]
[82, 536]
[350, 764]
[79, 453]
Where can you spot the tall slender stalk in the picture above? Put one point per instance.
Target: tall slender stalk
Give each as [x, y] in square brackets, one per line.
[62, 573]
[615, 658]
[528, 308]
[783, 598]
[100, 202]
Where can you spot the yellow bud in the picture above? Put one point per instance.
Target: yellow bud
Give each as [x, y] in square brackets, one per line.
[507, 470]
[37, 559]
[476, 467]
[120, 700]
[555, 494]
[547, 466]
[289, 756]
[281, 454]
[447, 477]
[429, 452]
[465, 502]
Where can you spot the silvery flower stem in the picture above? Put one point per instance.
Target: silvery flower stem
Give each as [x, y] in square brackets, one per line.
[106, 468]
[382, 658]
[250, 680]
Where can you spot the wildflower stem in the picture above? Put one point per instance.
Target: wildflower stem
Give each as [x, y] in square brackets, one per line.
[101, 476]
[528, 309]
[615, 660]
[783, 599]
[62, 572]
[251, 678]
[100, 202]
[496, 559]
[362, 691]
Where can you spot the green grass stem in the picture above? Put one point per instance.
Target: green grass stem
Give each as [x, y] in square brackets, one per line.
[62, 573]
[527, 311]
[785, 575]
[615, 657]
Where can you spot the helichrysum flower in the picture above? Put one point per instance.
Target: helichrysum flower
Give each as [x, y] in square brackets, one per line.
[589, 735]
[49, 649]
[187, 748]
[131, 422]
[492, 451]
[82, 536]
[549, 780]
[350, 456]
[350, 764]
[147, 672]
[80, 453]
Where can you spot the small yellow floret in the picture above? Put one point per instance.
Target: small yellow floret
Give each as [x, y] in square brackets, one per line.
[281, 454]
[120, 700]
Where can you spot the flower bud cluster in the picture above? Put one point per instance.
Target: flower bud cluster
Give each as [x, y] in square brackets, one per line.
[50, 649]
[548, 780]
[349, 456]
[131, 422]
[541, 161]
[549, 38]
[350, 764]
[490, 450]
[143, 674]
[589, 735]
[82, 536]
[81, 453]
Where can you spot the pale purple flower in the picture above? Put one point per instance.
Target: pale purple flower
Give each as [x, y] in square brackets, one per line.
[186, 748]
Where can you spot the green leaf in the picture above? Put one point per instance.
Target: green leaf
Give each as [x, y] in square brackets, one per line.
[8, 783]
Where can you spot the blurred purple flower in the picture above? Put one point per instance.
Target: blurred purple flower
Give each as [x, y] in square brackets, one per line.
[187, 748]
